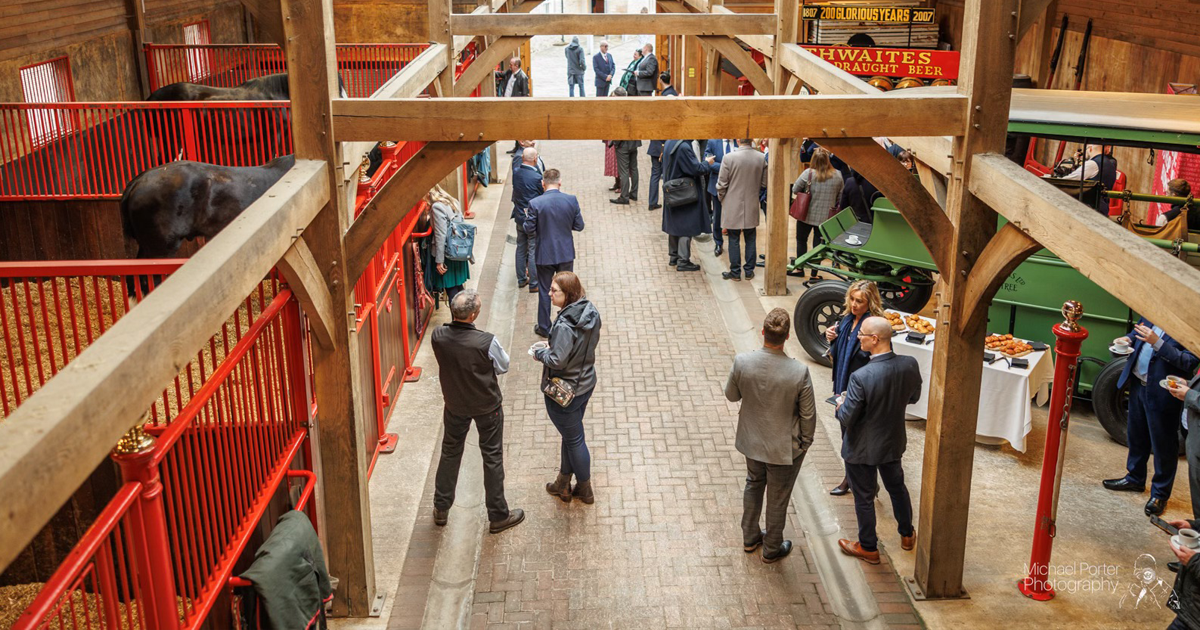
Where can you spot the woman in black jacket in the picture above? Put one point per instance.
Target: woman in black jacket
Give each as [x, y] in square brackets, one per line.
[569, 359]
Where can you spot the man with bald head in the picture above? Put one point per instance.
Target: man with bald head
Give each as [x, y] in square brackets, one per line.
[873, 415]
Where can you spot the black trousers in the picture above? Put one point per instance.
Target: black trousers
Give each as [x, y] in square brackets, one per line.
[776, 481]
[545, 275]
[716, 219]
[627, 173]
[491, 446]
[656, 165]
[864, 483]
[802, 231]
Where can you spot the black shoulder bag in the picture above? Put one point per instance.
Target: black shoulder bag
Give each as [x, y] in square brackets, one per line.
[681, 191]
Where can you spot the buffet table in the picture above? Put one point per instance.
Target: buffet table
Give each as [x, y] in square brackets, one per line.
[1005, 410]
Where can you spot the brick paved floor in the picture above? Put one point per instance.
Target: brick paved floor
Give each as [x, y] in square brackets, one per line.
[661, 545]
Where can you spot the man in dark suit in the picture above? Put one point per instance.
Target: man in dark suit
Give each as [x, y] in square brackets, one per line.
[668, 89]
[527, 185]
[714, 152]
[647, 72]
[469, 360]
[873, 415]
[552, 217]
[1154, 415]
[519, 157]
[604, 68]
[775, 427]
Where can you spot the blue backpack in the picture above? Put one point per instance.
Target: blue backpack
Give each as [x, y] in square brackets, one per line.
[460, 241]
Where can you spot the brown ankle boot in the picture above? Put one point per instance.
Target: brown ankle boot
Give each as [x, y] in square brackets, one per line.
[561, 487]
[583, 492]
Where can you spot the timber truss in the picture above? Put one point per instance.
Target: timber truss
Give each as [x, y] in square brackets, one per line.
[50, 444]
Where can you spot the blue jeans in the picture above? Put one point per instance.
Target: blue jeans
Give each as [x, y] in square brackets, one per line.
[572, 81]
[526, 250]
[574, 458]
[735, 249]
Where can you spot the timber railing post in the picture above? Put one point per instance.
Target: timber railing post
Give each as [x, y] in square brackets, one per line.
[1070, 336]
[779, 169]
[135, 454]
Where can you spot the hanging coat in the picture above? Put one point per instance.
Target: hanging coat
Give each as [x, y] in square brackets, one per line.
[693, 219]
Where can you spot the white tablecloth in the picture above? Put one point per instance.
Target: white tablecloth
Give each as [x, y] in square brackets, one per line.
[1005, 411]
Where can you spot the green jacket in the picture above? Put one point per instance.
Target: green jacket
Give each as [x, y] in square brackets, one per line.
[289, 575]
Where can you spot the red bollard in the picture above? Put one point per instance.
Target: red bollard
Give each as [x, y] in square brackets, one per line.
[156, 580]
[1070, 337]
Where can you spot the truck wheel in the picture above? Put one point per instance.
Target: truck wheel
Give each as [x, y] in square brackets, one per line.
[817, 309]
[905, 299]
[1111, 404]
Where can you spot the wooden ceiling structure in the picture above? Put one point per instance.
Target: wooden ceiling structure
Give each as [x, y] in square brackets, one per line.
[51, 443]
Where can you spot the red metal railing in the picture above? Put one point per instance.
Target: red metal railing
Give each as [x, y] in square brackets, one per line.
[202, 487]
[362, 67]
[114, 142]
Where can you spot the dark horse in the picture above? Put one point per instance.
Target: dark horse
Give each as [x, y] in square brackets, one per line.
[272, 87]
[184, 199]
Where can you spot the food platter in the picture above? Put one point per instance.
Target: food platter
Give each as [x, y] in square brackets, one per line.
[896, 320]
[919, 324]
[1008, 345]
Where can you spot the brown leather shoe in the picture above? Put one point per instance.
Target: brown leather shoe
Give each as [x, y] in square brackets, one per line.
[560, 487]
[583, 492]
[852, 548]
[515, 516]
[908, 542]
[440, 516]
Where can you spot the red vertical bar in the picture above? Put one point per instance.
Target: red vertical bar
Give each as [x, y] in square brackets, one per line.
[152, 550]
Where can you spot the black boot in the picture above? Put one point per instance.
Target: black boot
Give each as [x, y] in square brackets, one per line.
[560, 487]
[583, 492]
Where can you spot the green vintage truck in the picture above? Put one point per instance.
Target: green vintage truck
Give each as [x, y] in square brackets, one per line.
[1028, 305]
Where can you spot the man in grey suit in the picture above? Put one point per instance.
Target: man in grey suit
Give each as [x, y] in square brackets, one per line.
[647, 72]
[1190, 395]
[742, 175]
[775, 428]
[873, 415]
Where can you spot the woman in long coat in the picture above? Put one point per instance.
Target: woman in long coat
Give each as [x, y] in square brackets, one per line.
[682, 223]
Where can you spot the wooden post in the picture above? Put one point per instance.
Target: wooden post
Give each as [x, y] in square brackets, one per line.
[439, 33]
[712, 68]
[989, 30]
[489, 89]
[1045, 45]
[344, 458]
[137, 33]
[780, 167]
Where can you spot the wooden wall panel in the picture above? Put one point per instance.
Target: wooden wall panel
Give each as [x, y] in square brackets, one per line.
[398, 21]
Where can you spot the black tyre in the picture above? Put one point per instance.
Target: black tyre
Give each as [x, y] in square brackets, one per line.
[817, 309]
[905, 299]
[1111, 403]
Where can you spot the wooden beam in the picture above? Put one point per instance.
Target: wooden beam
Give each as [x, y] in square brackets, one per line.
[493, 119]
[932, 182]
[304, 277]
[51, 443]
[136, 10]
[462, 41]
[612, 24]
[781, 167]
[827, 78]
[764, 44]
[344, 456]
[485, 64]
[440, 33]
[267, 17]
[986, 80]
[1040, 55]
[741, 58]
[1145, 277]
[915, 204]
[422, 171]
[1002, 255]
[1031, 12]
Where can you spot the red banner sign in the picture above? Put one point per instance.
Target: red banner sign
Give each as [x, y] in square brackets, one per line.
[891, 62]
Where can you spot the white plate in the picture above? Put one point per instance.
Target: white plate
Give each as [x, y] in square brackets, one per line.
[1164, 383]
[1115, 349]
[1179, 542]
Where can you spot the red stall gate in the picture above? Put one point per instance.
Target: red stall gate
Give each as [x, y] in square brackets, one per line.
[165, 547]
[364, 68]
[111, 143]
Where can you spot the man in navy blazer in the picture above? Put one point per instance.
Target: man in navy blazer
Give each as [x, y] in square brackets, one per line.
[551, 219]
[714, 152]
[527, 184]
[605, 68]
[1154, 415]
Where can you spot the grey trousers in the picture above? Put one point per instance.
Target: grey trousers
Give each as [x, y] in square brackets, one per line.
[776, 482]
[1193, 460]
[627, 173]
[679, 248]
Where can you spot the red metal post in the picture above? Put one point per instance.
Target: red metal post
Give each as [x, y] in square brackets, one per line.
[136, 455]
[1070, 336]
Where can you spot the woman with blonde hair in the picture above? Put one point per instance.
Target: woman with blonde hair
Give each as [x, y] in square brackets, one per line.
[824, 183]
[451, 274]
[862, 301]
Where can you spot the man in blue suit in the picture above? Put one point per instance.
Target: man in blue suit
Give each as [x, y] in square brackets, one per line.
[713, 153]
[551, 219]
[604, 67]
[527, 184]
[1154, 415]
[519, 156]
[655, 151]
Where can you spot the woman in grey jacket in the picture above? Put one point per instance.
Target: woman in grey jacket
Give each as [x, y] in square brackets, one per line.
[451, 274]
[570, 355]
